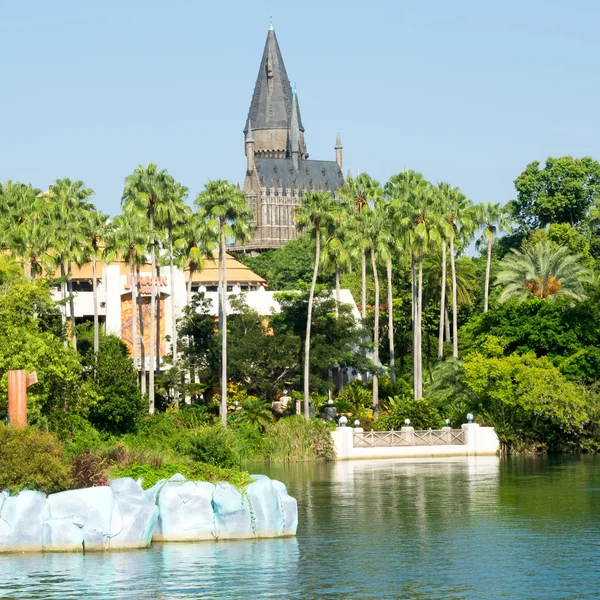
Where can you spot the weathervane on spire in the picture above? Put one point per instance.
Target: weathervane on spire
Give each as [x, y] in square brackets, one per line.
[271, 25]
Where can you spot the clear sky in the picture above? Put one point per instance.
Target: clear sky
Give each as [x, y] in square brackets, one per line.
[468, 91]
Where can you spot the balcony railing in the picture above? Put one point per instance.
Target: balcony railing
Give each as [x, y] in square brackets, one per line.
[429, 437]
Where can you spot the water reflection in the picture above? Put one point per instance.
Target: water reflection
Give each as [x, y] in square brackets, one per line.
[451, 528]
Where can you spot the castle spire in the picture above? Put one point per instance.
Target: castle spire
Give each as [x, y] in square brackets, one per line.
[271, 105]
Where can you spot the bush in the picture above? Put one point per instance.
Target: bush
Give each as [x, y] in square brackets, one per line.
[120, 405]
[422, 415]
[215, 446]
[31, 459]
[74, 431]
[192, 471]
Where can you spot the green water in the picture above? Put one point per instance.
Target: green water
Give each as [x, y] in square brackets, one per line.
[444, 529]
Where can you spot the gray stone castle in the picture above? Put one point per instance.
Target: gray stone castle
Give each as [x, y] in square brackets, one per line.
[278, 171]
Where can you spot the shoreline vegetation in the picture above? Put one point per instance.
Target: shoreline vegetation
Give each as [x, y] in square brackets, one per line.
[511, 334]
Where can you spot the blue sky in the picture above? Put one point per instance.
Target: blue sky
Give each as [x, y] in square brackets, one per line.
[468, 91]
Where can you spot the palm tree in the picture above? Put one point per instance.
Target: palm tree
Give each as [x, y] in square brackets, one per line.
[373, 225]
[227, 212]
[68, 208]
[144, 189]
[128, 241]
[494, 219]
[334, 252]
[96, 228]
[462, 221]
[546, 271]
[171, 213]
[314, 213]
[256, 413]
[390, 246]
[418, 207]
[356, 194]
[194, 241]
[22, 228]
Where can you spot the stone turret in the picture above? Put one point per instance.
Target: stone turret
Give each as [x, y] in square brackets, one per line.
[294, 133]
[249, 149]
[338, 151]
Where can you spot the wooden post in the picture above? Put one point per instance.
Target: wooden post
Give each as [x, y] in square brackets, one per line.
[18, 382]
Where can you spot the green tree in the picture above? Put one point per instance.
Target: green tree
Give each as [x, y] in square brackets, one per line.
[120, 404]
[561, 192]
[418, 206]
[225, 209]
[544, 271]
[128, 240]
[259, 358]
[357, 193]
[313, 214]
[67, 208]
[96, 228]
[462, 221]
[286, 268]
[144, 189]
[28, 326]
[494, 221]
[169, 215]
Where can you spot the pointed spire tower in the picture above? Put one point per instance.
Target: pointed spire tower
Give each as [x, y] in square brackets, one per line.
[271, 107]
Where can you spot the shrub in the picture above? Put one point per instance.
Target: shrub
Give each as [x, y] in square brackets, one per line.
[151, 475]
[215, 446]
[120, 405]
[31, 459]
[74, 431]
[421, 413]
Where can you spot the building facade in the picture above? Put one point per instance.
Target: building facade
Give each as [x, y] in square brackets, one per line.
[278, 169]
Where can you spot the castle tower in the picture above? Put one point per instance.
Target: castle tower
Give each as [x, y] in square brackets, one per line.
[278, 172]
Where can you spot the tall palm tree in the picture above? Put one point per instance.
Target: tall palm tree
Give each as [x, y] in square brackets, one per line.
[22, 228]
[418, 207]
[546, 271]
[391, 244]
[227, 212]
[127, 240]
[194, 241]
[314, 214]
[96, 228]
[462, 222]
[356, 193]
[144, 189]
[335, 252]
[68, 207]
[373, 224]
[494, 220]
[170, 214]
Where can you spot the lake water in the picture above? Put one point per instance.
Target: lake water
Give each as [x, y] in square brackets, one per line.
[446, 529]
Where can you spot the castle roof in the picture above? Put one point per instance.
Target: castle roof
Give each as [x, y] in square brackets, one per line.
[310, 175]
[271, 106]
